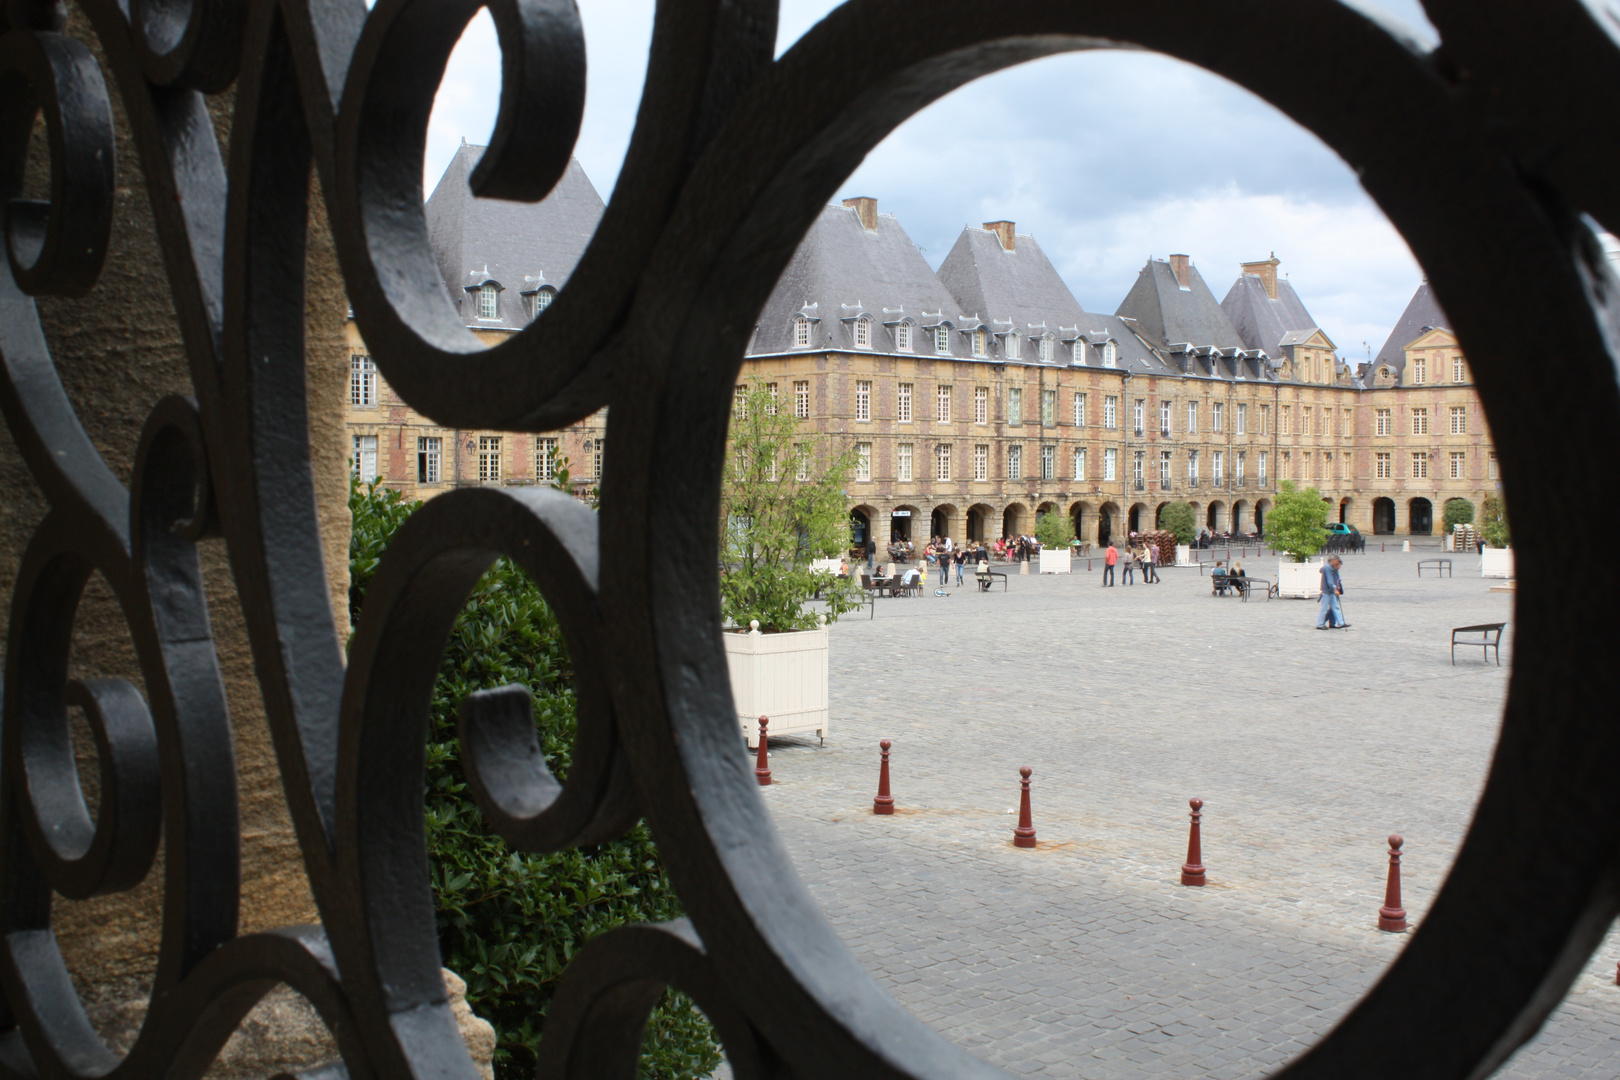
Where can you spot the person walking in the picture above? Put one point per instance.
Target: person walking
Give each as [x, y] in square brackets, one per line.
[960, 559]
[1110, 557]
[1127, 572]
[1330, 615]
[1150, 571]
[946, 557]
[871, 551]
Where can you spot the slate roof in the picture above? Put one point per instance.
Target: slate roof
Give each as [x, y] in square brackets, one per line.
[1166, 314]
[1264, 323]
[1422, 311]
[520, 246]
[843, 270]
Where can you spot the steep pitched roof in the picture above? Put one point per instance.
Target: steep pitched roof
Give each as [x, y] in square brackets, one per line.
[1263, 322]
[1167, 314]
[1422, 311]
[520, 246]
[1020, 286]
[842, 270]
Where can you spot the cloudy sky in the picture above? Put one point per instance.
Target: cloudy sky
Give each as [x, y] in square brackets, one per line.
[1107, 158]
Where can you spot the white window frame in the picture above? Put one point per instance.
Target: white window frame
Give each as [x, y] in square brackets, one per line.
[1459, 464]
[1111, 413]
[863, 462]
[1049, 408]
[1383, 465]
[1242, 419]
[1079, 463]
[981, 461]
[942, 340]
[1048, 461]
[430, 459]
[1164, 468]
[1420, 371]
[1420, 421]
[1260, 473]
[902, 462]
[1015, 461]
[863, 401]
[362, 380]
[1459, 419]
[596, 457]
[1217, 467]
[801, 399]
[1382, 422]
[978, 341]
[942, 462]
[981, 404]
[902, 402]
[363, 463]
[1013, 350]
[1139, 416]
[1192, 418]
[1015, 405]
[801, 332]
[539, 300]
[902, 337]
[1044, 349]
[1459, 370]
[1110, 354]
[1420, 465]
[489, 303]
[1217, 416]
[1079, 409]
[489, 459]
[942, 404]
[863, 333]
[1110, 464]
[1192, 468]
[1241, 466]
[545, 468]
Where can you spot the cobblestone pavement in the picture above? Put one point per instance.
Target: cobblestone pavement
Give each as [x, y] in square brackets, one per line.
[1086, 957]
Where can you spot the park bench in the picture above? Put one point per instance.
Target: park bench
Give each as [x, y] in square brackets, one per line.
[1437, 565]
[1490, 637]
[987, 578]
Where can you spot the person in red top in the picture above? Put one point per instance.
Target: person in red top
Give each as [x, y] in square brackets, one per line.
[1110, 557]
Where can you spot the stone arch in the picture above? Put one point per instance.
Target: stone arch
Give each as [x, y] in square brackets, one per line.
[944, 520]
[1215, 516]
[1262, 507]
[1080, 513]
[977, 516]
[1137, 521]
[860, 528]
[1344, 508]
[901, 523]
[1012, 519]
[1383, 516]
[1420, 516]
[1108, 523]
[1240, 512]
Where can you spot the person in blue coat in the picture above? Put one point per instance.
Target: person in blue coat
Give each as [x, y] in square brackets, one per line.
[1330, 615]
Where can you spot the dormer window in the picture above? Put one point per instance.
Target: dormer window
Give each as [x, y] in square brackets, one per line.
[801, 332]
[863, 333]
[1079, 350]
[942, 339]
[541, 300]
[978, 342]
[1110, 354]
[1014, 346]
[1045, 348]
[488, 298]
[902, 337]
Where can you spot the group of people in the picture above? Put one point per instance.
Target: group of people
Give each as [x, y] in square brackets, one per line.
[1017, 548]
[1137, 556]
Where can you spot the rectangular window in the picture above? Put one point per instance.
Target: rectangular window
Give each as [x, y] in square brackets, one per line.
[1242, 419]
[1305, 418]
[1420, 421]
[942, 339]
[1192, 417]
[1420, 465]
[1459, 372]
[1136, 467]
[863, 461]
[1192, 468]
[981, 461]
[801, 463]
[1459, 465]
[1381, 424]
[1382, 465]
[1459, 419]
[1048, 461]
[1164, 468]
[1044, 349]
[362, 380]
[489, 459]
[429, 459]
[1265, 419]
[772, 396]
[1287, 426]
[863, 400]
[739, 402]
[1306, 464]
[1015, 405]
[1420, 371]
[1492, 472]
[598, 448]
[1347, 423]
[1217, 467]
[981, 404]
[1110, 464]
[1138, 414]
[487, 298]
[1260, 473]
[943, 405]
[1080, 463]
[1287, 472]
[801, 399]
[902, 462]
[902, 403]
[942, 461]
[902, 337]
[801, 332]
[364, 462]
[1164, 419]
[1079, 410]
[1110, 411]
[1217, 417]
[545, 459]
[863, 333]
[978, 341]
[1015, 462]
[1242, 465]
[1048, 408]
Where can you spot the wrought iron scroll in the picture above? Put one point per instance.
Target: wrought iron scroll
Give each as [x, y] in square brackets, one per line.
[1492, 155]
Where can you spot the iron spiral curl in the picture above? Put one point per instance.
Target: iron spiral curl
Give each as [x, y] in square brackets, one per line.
[732, 156]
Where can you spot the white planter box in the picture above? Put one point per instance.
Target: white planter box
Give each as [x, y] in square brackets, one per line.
[782, 676]
[1184, 555]
[1496, 562]
[1056, 561]
[1302, 581]
[829, 566]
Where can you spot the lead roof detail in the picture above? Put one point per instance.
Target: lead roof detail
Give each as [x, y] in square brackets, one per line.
[1422, 313]
[1168, 313]
[1262, 321]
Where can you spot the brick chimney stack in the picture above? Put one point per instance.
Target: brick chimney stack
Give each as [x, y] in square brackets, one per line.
[865, 208]
[1006, 232]
[1266, 271]
[1181, 266]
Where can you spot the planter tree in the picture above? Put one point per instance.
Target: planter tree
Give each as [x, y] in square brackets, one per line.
[1054, 530]
[1457, 512]
[781, 507]
[1178, 518]
[1493, 522]
[1296, 526]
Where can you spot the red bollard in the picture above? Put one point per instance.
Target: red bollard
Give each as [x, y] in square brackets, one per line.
[1192, 871]
[1392, 916]
[1617, 974]
[762, 763]
[884, 803]
[1024, 835]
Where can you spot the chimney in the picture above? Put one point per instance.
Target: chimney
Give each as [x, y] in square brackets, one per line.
[1181, 266]
[1005, 232]
[865, 208]
[1266, 271]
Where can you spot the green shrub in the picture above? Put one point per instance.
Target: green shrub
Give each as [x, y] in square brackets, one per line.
[1177, 517]
[1493, 522]
[1054, 529]
[1457, 512]
[510, 921]
[1295, 525]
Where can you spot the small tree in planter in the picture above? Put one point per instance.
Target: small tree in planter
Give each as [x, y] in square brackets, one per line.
[1493, 522]
[1296, 525]
[1178, 518]
[1054, 530]
[781, 507]
[1457, 512]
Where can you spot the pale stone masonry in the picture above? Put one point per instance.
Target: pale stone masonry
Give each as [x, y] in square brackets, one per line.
[983, 393]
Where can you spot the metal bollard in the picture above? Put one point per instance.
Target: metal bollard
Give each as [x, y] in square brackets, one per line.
[1192, 871]
[884, 803]
[1024, 834]
[1392, 916]
[762, 762]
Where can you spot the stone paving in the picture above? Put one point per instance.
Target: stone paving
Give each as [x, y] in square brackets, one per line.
[1085, 957]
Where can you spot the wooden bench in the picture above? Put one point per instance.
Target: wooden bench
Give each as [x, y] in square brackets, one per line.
[987, 578]
[1437, 564]
[1490, 637]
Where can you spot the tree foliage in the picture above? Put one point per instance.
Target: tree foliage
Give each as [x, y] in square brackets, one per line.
[1295, 525]
[1054, 529]
[1493, 522]
[509, 921]
[1457, 512]
[1177, 517]
[781, 506]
